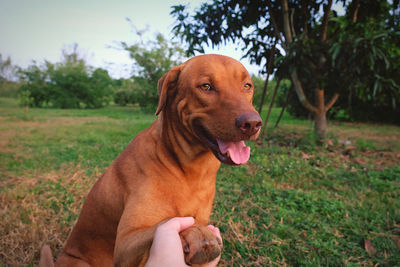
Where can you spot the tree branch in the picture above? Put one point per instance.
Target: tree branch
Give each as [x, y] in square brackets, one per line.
[300, 92]
[355, 10]
[292, 24]
[326, 20]
[284, 106]
[271, 105]
[269, 68]
[286, 22]
[263, 93]
[304, 11]
[293, 73]
[275, 25]
[332, 101]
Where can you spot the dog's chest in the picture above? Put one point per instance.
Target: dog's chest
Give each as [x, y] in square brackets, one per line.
[197, 201]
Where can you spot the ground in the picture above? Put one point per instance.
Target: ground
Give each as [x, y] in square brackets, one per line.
[294, 203]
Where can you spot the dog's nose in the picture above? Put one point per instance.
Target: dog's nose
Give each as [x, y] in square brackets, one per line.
[249, 123]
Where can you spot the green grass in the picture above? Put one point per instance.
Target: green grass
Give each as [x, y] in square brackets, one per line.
[308, 215]
[293, 204]
[56, 136]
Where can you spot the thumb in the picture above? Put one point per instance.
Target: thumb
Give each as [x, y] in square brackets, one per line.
[179, 223]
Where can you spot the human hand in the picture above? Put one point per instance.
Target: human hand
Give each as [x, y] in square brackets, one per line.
[166, 249]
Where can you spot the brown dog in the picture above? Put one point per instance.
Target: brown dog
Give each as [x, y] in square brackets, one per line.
[205, 112]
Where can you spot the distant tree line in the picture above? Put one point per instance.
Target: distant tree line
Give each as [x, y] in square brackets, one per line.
[71, 83]
[67, 84]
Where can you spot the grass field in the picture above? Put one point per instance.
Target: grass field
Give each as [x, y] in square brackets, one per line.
[293, 204]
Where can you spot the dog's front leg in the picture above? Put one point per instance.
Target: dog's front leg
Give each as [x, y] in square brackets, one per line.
[200, 244]
[132, 246]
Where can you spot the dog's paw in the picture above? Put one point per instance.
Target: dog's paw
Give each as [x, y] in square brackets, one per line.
[200, 245]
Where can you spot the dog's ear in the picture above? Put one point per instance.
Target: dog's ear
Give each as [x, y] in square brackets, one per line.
[167, 81]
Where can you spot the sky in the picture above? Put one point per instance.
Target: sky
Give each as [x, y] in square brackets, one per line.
[38, 30]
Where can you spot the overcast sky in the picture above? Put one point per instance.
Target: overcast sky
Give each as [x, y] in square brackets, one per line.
[39, 29]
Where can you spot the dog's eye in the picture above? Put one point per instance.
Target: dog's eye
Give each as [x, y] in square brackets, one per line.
[247, 86]
[205, 87]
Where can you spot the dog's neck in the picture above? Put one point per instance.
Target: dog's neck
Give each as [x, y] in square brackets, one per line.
[184, 148]
[187, 164]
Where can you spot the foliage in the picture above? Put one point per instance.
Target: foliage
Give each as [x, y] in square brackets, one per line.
[8, 74]
[311, 48]
[281, 208]
[153, 59]
[68, 84]
[258, 88]
[25, 99]
[7, 69]
[36, 84]
[261, 27]
[9, 88]
[122, 98]
[126, 93]
[259, 82]
[100, 91]
[367, 59]
[363, 59]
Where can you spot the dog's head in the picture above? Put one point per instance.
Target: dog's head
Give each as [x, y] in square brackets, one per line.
[211, 96]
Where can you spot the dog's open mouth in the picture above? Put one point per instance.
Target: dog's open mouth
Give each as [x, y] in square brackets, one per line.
[228, 152]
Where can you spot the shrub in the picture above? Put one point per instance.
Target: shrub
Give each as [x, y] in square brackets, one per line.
[66, 85]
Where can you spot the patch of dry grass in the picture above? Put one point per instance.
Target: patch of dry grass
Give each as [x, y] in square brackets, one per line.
[31, 213]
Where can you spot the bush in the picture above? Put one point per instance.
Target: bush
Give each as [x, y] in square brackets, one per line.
[66, 85]
[36, 86]
[8, 78]
[123, 97]
[126, 93]
[9, 88]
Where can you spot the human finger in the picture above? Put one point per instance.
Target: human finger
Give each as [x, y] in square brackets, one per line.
[216, 231]
[177, 224]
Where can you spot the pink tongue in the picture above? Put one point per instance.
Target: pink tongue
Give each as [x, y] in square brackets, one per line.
[238, 151]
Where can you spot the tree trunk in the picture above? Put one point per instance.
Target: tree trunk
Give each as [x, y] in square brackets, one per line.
[284, 106]
[270, 106]
[263, 94]
[270, 65]
[320, 113]
[320, 125]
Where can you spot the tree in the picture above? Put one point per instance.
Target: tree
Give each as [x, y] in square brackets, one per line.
[126, 93]
[8, 77]
[366, 49]
[365, 62]
[35, 84]
[7, 70]
[67, 84]
[152, 60]
[300, 29]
